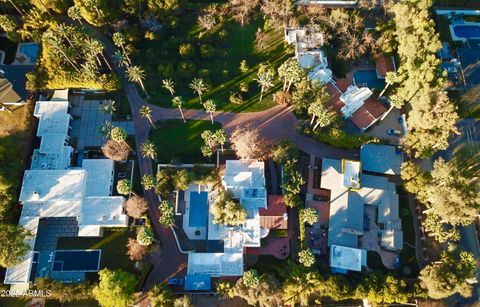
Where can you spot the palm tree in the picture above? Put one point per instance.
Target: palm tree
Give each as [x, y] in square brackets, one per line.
[136, 74]
[74, 13]
[265, 81]
[105, 129]
[221, 137]
[148, 150]
[177, 101]
[322, 116]
[13, 4]
[95, 47]
[64, 32]
[108, 107]
[146, 112]
[210, 108]
[119, 135]
[169, 86]
[198, 87]
[121, 58]
[120, 41]
[54, 41]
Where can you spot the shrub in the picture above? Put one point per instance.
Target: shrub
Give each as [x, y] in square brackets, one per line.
[186, 69]
[135, 250]
[165, 70]
[243, 87]
[243, 66]
[204, 73]
[236, 98]
[206, 51]
[282, 97]
[186, 50]
[145, 236]
[223, 34]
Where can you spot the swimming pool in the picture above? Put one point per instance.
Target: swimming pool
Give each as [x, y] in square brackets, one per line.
[198, 209]
[368, 77]
[31, 50]
[77, 260]
[467, 31]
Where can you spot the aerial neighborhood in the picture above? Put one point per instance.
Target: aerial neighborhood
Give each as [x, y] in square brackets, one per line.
[239, 153]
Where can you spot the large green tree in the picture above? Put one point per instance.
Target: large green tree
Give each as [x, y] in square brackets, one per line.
[116, 288]
[227, 211]
[13, 244]
[454, 273]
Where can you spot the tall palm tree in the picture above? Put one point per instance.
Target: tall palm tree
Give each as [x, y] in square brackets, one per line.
[121, 58]
[210, 107]
[169, 86]
[148, 150]
[120, 41]
[177, 101]
[95, 47]
[265, 81]
[146, 112]
[198, 86]
[221, 137]
[64, 32]
[14, 5]
[54, 41]
[137, 74]
[74, 13]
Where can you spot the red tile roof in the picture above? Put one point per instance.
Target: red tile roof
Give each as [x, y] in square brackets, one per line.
[334, 102]
[368, 113]
[273, 217]
[384, 64]
[375, 107]
[342, 84]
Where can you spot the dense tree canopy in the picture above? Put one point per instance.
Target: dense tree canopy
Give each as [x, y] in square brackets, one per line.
[454, 273]
[13, 244]
[116, 288]
[227, 211]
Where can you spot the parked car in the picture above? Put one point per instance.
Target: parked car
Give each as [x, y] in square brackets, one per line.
[175, 281]
[394, 132]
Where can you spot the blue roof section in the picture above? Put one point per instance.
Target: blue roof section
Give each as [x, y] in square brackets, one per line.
[383, 159]
[198, 282]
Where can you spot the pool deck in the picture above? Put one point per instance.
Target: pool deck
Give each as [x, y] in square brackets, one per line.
[351, 73]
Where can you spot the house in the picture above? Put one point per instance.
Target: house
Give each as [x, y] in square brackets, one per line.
[61, 200]
[351, 191]
[381, 159]
[245, 180]
[308, 52]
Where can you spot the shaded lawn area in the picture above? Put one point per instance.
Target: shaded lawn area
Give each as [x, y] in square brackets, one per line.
[113, 246]
[181, 142]
[407, 256]
[160, 58]
[267, 264]
[374, 261]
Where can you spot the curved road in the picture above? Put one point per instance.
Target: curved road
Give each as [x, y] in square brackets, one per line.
[274, 124]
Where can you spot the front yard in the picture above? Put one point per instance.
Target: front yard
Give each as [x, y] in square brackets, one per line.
[181, 142]
[215, 56]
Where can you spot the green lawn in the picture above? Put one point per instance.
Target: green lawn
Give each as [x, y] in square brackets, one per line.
[160, 59]
[181, 142]
[113, 246]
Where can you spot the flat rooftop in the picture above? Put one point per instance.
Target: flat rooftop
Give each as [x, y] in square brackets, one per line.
[347, 258]
[46, 185]
[54, 117]
[100, 176]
